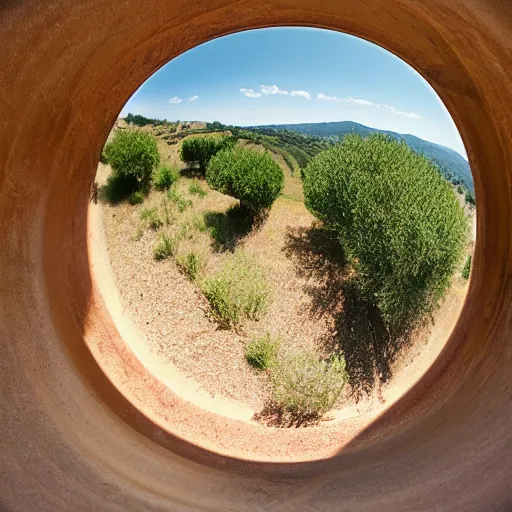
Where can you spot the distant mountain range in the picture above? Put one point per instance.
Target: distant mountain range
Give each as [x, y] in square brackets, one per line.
[450, 162]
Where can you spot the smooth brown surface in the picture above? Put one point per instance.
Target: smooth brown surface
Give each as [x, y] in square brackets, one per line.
[69, 440]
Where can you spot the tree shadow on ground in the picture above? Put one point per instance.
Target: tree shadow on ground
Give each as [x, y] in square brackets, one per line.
[320, 259]
[228, 228]
[274, 416]
[358, 331]
[193, 171]
[117, 189]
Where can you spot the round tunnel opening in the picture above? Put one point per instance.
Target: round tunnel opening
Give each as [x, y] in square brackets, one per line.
[164, 245]
[90, 436]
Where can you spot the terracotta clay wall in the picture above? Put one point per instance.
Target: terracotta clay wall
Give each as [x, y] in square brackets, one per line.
[69, 440]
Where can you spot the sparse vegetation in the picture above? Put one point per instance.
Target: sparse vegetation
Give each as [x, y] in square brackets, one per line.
[397, 218]
[250, 176]
[133, 156]
[192, 264]
[238, 291]
[168, 216]
[151, 218]
[165, 177]
[196, 188]
[181, 202]
[166, 246]
[261, 352]
[304, 386]
[138, 233]
[199, 223]
[466, 270]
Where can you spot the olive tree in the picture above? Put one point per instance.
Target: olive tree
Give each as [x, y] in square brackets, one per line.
[201, 149]
[248, 175]
[133, 156]
[397, 218]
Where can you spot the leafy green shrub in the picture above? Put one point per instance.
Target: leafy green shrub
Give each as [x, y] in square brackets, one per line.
[397, 218]
[466, 270]
[237, 292]
[166, 246]
[150, 216]
[261, 353]
[305, 386]
[136, 197]
[250, 176]
[103, 157]
[181, 203]
[201, 149]
[192, 264]
[196, 188]
[134, 155]
[165, 177]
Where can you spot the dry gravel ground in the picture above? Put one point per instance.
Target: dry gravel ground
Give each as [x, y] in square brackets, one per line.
[172, 313]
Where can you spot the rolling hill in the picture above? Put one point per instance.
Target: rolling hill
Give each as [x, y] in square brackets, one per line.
[451, 164]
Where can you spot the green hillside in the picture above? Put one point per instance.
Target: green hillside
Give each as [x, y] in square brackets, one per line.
[452, 165]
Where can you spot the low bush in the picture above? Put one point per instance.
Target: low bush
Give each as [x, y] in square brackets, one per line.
[466, 270]
[201, 149]
[306, 386]
[192, 264]
[261, 352]
[166, 246]
[136, 197]
[151, 218]
[181, 203]
[250, 176]
[165, 177]
[133, 154]
[196, 188]
[138, 233]
[238, 291]
[168, 216]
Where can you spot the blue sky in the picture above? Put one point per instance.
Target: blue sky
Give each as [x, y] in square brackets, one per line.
[296, 75]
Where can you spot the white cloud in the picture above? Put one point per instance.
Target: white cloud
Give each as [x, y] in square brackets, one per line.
[193, 98]
[413, 115]
[303, 94]
[250, 93]
[175, 100]
[389, 108]
[324, 97]
[360, 102]
[272, 89]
